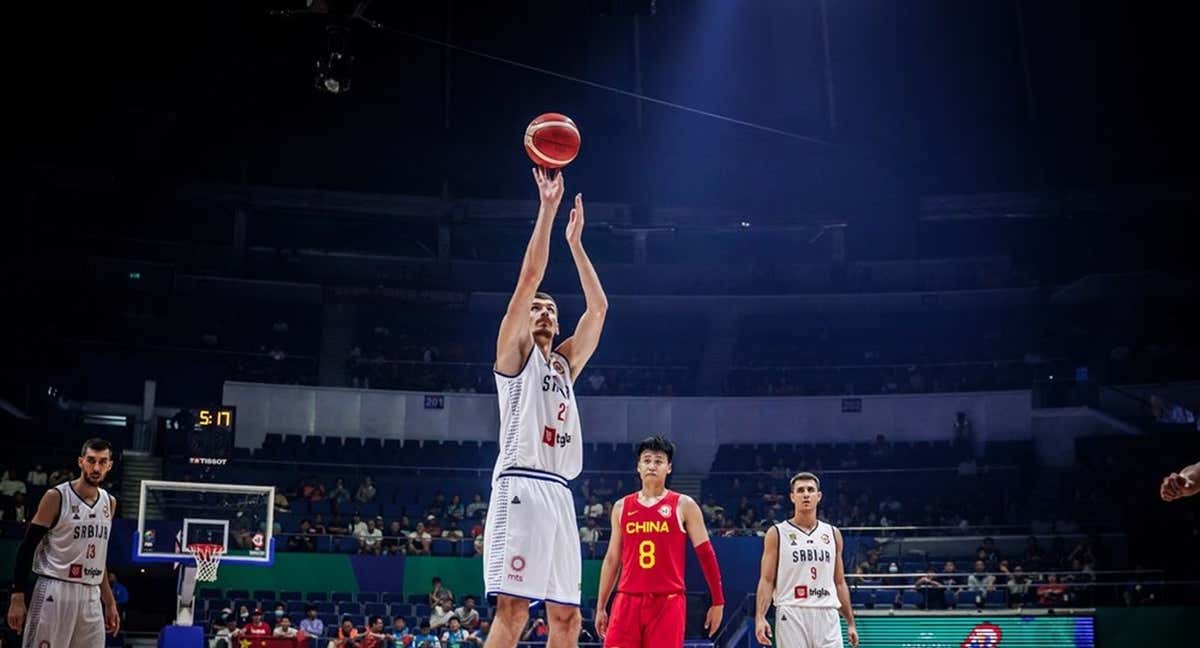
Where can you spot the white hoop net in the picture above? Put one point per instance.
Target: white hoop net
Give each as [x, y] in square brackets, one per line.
[208, 557]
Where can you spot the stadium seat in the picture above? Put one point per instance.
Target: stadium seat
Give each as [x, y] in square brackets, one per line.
[339, 597]
[237, 594]
[349, 607]
[210, 593]
[417, 599]
[966, 599]
[325, 607]
[373, 609]
[393, 597]
[912, 599]
[997, 598]
[316, 596]
[422, 610]
[289, 595]
[367, 597]
[264, 595]
[330, 620]
[404, 610]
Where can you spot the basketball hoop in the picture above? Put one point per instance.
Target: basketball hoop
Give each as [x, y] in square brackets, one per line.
[208, 557]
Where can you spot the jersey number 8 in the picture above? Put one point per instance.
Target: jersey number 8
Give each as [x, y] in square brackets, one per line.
[646, 554]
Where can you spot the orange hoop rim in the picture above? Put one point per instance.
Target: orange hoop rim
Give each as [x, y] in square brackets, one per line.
[206, 550]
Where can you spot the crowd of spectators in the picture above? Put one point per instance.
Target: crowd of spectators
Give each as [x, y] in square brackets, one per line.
[19, 493]
[1056, 575]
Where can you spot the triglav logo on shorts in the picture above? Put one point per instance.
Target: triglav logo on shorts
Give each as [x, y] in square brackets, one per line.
[984, 635]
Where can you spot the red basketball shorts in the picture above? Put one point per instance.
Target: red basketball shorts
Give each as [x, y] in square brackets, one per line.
[646, 621]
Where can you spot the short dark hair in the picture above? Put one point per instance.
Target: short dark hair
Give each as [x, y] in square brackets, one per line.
[310, 608]
[803, 476]
[436, 579]
[541, 295]
[376, 619]
[656, 444]
[97, 444]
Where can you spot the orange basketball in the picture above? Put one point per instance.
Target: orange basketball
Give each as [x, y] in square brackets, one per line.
[552, 140]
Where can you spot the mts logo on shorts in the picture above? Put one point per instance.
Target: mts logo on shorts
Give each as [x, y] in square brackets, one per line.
[552, 438]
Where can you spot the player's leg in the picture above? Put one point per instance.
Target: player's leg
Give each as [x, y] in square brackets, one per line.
[508, 621]
[50, 615]
[564, 588]
[624, 622]
[89, 619]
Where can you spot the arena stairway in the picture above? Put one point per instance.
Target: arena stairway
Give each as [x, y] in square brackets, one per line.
[136, 466]
[688, 485]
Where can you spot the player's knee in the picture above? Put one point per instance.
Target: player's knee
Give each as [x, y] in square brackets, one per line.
[511, 612]
[564, 616]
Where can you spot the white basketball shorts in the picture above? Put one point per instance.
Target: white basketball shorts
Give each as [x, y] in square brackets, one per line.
[530, 541]
[63, 615]
[807, 627]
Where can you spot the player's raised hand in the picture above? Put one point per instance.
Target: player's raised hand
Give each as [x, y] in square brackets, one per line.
[1176, 486]
[550, 186]
[601, 622]
[575, 225]
[112, 619]
[712, 620]
[762, 631]
[16, 612]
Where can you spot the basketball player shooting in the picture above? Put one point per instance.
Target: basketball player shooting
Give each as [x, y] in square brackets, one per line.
[66, 546]
[647, 547]
[802, 574]
[531, 545]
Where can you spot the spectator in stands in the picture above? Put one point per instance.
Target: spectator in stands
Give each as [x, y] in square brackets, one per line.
[243, 615]
[119, 591]
[373, 636]
[437, 509]
[257, 627]
[347, 635]
[710, 508]
[425, 638]
[419, 541]
[1052, 592]
[357, 528]
[339, 494]
[952, 581]
[602, 490]
[478, 539]
[455, 635]
[1033, 553]
[283, 628]
[594, 508]
[438, 591]
[467, 614]
[225, 631]
[452, 530]
[1138, 592]
[433, 526]
[311, 489]
[537, 631]
[1018, 587]
[302, 541]
[477, 508]
[281, 503]
[59, 476]
[980, 581]
[394, 540]
[441, 613]
[991, 555]
[366, 491]
[371, 541]
[932, 591]
[589, 535]
[37, 476]
[399, 634]
[311, 624]
[455, 510]
[10, 486]
[480, 636]
[871, 564]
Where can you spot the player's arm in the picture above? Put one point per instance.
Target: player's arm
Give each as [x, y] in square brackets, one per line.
[45, 517]
[766, 586]
[843, 592]
[514, 341]
[1184, 483]
[578, 348]
[609, 569]
[693, 523]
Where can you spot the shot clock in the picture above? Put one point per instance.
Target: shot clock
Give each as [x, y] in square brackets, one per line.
[207, 432]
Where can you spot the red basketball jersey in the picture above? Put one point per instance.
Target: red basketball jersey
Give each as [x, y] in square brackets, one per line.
[652, 546]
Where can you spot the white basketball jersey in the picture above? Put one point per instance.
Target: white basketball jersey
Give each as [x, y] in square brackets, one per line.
[804, 573]
[76, 547]
[539, 422]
